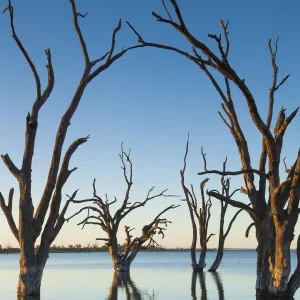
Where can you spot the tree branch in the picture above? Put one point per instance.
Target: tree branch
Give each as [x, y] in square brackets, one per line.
[7, 210]
[56, 199]
[63, 176]
[234, 203]
[23, 50]
[10, 165]
[248, 229]
[61, 219]
[80, 36]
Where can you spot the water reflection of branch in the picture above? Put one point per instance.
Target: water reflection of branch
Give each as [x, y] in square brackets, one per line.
[219, 284]
[202, 283]
[28, 298]
[258, 297]
[122, 280]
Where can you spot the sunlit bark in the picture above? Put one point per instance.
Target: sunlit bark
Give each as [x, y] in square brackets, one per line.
[46, 221]
[274, 203]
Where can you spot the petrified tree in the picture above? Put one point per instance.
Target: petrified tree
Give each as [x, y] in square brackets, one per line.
[274, 201]
[110, 223]
[40, 223]
[202, 215]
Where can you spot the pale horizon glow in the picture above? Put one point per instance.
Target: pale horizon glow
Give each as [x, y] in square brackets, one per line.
[150, 100]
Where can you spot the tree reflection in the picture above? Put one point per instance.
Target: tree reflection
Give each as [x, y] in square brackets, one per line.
[122, 281]
[28, 297]
[202, 282]
[272, 298]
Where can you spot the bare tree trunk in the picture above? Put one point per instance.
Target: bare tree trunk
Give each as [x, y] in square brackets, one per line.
[223, 235]
[273, 259]
[219, 256]
[265, 234]
[30, 278]
[202, 215]
[275, 202]
[109, 223]
[220, 250]
[33, 223]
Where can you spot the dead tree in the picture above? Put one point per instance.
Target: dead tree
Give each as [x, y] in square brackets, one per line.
[202, 215]
[274, 201]
[45, 222]
[225, 183]
[110, 223]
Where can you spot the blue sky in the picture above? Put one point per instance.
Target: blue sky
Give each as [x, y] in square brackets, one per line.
[150, 100]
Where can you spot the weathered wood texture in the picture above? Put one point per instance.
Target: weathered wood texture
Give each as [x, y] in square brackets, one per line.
[274, 202]
[47, 220]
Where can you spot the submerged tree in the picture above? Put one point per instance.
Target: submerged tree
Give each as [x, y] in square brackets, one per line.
[202, 215]
[110, 223]
[274, 202]
[47, 222]
[223, 234]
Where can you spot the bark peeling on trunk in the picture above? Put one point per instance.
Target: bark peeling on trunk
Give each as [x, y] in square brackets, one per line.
[110, 223]
[274, 201]
[47, 220]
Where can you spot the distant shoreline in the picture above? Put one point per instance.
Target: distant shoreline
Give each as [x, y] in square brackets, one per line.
[90, 250]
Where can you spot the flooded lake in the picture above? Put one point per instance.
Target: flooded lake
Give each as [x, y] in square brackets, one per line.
[154, 275]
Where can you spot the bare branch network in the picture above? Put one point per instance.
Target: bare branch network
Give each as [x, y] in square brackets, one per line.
[274, 203]
[99, 213]
[47, 220]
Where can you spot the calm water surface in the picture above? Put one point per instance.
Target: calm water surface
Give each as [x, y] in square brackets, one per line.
[163, 276]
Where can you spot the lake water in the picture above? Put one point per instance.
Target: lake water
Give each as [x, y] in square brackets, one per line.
[154, 275]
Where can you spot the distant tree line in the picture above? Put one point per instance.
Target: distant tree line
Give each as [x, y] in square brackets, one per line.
[274, 202]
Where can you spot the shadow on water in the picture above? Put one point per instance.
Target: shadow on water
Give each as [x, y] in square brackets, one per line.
[123, 282]
[201, 276]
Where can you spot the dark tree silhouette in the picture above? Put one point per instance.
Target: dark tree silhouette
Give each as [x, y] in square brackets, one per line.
[110, 223]
[46, 221]
[274, 201]
[202, 215]
[223, 234]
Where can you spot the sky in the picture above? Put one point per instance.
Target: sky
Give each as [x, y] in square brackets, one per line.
[149, 100]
